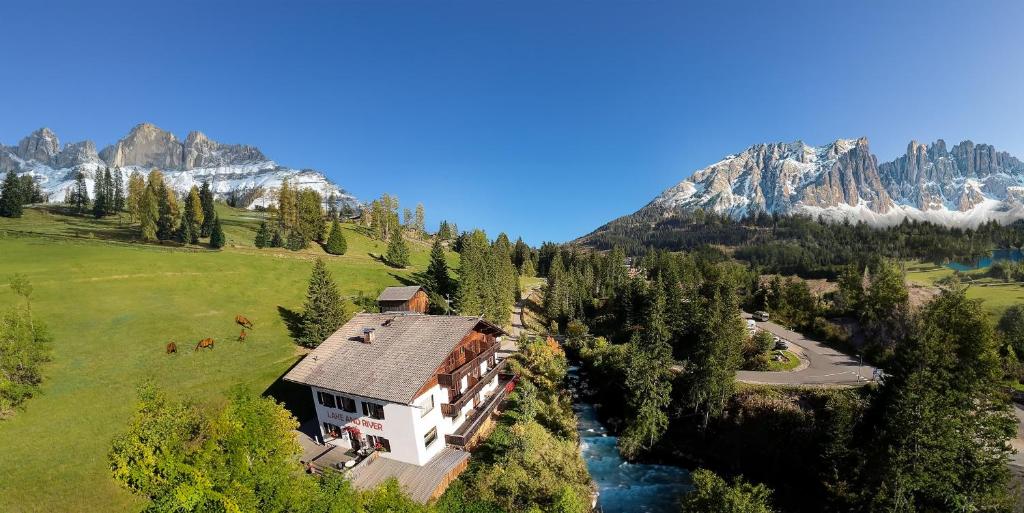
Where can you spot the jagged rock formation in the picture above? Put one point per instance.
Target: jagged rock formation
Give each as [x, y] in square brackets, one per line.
[965, 186]
[233, 170]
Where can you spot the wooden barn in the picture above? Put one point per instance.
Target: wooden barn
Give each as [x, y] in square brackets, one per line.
[403, 299]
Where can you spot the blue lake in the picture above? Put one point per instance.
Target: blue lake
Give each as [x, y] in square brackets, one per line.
[1010, 255]
[625, 487]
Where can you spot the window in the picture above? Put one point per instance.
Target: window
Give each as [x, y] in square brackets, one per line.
[373, 410]
[379, 442]
[430, 437]
[325, 399]
[332, 431]
[427, 405]
[347, 403]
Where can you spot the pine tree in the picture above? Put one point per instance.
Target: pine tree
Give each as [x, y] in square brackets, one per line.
[311, 215]
[444, 232]
[136, 188]
[217, 239]
[945, 422]
[186, 233]
[149, 214]
[188, 230]
[438, 280]
[99, 187]
[11, 196]
[296, 241]
[194, 203]
[276, 241]
[501, 282]
[287, 207]
[81, 194]
[323, 312]
[419, 224]
[398, 251]
[263, 236]
[208, 209]
[407, 221]
[108, 192]
[336, 243]
[167, 223]
[118, 190]
[473, 273]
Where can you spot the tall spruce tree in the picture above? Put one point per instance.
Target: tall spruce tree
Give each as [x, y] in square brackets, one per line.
[648, 379]
[119, 197]
[502, 281]
[167, 223]
[81, 194]
[311, 215]
[336, 243]
[108, 192]
[209, 211]
[323, 312]
[439, 281]
[188, 230]
[473, 273]
[398, 251]
[11, 198]
[715, 346]
[945, 422]
[263, 236]
[99, 205]
[217, 238]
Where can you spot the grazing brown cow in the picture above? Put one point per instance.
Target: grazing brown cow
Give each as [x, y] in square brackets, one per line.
[172, 347]
[206, 342]
[242, 335]
[242, 321]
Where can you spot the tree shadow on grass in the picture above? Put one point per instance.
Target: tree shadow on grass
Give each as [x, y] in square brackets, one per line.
[292, 321]
[295, 397]
[417, 278]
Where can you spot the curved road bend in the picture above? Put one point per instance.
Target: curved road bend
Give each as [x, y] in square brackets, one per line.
[821, 364]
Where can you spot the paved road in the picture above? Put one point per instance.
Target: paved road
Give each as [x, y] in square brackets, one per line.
[821, 365]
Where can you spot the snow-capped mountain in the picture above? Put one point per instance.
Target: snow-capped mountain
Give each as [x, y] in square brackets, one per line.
[233, 170]
[966, 186]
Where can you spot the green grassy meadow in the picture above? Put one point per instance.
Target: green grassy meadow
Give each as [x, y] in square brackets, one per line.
[996, 295]
[112, 305]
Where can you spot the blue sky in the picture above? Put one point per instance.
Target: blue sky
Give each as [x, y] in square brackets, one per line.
[540, 119]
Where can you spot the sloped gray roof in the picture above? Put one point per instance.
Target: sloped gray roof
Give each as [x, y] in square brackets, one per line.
[406, 351]
[398, 293]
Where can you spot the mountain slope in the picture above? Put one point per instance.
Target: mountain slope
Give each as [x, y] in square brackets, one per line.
[965, 186]
[238, 172]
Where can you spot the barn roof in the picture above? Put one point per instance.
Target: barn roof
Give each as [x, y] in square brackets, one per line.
[406, 351]
[399, 293]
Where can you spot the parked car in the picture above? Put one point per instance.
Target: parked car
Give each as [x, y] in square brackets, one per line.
[781, 344]
[761, 315]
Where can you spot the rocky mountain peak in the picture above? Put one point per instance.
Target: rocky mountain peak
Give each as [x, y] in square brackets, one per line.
[968, 183]
[41, 146]
[145, 146]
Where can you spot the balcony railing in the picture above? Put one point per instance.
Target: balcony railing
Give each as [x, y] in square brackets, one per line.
[452, 408]
[463, 436]
[452, 379]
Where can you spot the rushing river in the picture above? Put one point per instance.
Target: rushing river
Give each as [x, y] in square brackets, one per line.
[624, 487]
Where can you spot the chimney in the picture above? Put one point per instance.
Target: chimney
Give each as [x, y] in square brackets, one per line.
[368, 335]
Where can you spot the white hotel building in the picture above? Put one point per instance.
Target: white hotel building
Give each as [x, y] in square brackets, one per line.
[408, 384]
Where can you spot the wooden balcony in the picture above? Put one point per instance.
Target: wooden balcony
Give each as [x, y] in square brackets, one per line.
[452, 379]
[452, 408]
[463, 436]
